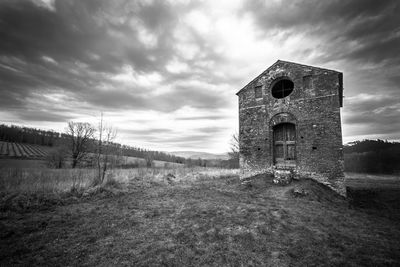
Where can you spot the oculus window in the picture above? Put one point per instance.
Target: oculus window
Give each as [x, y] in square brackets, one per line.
[282, 88]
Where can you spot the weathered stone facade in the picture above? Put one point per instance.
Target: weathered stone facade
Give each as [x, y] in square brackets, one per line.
[289, 118]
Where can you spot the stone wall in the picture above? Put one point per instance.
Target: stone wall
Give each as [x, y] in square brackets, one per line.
[314, 108]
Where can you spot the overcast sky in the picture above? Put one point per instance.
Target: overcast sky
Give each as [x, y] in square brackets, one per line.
[165, 73]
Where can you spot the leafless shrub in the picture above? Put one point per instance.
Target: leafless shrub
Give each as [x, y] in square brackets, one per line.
[234, 153]
[106, 135]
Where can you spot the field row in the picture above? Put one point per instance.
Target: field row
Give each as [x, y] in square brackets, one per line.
[20, 150]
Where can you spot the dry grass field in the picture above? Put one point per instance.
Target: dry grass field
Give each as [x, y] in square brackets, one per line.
[189, 217]
[21, 155]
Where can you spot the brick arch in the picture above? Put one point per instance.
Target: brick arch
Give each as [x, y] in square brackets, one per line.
[283, 117]
[277, 76]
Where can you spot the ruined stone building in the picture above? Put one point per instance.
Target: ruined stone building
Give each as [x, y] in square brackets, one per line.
[289, 119]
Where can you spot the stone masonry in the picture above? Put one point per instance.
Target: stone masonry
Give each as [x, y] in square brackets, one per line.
[289, 119]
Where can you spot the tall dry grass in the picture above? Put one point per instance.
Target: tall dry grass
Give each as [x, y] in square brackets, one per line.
[14, 180]
[19, 180]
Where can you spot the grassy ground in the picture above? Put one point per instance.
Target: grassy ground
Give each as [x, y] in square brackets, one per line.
[22, 163]
[371, 181]
[198, 218]
[44, 180]
[378, 192]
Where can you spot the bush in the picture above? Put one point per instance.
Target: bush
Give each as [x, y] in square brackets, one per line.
[56, 158]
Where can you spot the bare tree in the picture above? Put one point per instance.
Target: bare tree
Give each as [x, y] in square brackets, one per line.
[235, 151]
[107, 134]
[79, 134]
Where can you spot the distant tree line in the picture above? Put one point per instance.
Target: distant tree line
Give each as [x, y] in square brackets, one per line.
[27, 135]
[372, 156]
[60, 141]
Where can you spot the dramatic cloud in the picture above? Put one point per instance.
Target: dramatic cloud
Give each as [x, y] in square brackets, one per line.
[367, 31]
[360, 38]
[166, 72]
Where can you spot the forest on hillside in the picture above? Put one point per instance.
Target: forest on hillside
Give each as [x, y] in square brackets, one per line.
[33, 136]
[372, 156]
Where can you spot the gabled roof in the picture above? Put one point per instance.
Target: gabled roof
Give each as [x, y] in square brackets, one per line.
[256, 78]
[292, 63]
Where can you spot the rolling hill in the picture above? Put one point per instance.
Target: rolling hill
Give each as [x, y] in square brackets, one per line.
[196, 155]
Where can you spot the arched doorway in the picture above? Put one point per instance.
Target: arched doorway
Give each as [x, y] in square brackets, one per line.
[284, 144]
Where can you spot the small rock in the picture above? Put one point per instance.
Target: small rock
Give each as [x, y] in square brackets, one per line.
[170, 178]
[91, 191]
[282, 176]
[211, 232]
[246, 183]
[300, 192]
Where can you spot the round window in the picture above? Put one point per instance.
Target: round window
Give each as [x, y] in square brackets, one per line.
[282, 88]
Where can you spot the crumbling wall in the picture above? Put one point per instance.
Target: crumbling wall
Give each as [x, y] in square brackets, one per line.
[314, 108]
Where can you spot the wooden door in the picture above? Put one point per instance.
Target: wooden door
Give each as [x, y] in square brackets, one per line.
[285, 144]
